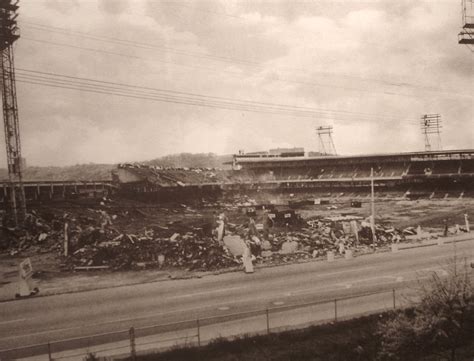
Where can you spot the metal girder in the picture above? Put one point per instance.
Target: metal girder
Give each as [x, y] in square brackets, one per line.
[8, 35]
[466, 40]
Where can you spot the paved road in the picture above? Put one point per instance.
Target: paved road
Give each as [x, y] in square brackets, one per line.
[46, 319]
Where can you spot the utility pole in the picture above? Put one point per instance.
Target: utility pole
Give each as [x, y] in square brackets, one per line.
[9, 33]
[372, 207]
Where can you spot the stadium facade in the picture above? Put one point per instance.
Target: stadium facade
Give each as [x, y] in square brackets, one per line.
[433, 174]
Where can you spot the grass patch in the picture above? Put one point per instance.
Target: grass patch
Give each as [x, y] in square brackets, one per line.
[347, 340]
[353, 340]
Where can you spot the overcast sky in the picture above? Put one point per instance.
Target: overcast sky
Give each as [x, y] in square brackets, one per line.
[374, 67]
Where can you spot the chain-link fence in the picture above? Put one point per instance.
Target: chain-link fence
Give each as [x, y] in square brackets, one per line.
[200, 331]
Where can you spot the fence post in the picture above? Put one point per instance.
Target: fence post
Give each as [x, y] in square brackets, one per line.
[335, 310]
[133, 351]
[50, 358]
[393, 294]
[198, 332]
[268, 322]
[66, 239]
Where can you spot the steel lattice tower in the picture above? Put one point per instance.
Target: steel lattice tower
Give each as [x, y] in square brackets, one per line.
[466, 36]
[430, 127]
[326, 144]
[8, 35]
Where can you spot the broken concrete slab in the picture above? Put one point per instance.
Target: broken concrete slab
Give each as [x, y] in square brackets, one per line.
[235, 244]
[289, 247]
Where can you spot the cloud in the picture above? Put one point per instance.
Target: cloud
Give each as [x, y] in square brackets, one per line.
[380, 65]
[114, 6]
[63, 7]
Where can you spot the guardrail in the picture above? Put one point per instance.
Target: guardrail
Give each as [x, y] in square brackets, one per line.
[199, 331]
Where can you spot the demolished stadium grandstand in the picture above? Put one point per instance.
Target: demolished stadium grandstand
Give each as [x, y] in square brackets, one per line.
[436, 174]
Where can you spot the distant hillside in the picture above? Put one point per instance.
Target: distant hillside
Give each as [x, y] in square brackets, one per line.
[93, 171]
[199, 160]
[75, 172]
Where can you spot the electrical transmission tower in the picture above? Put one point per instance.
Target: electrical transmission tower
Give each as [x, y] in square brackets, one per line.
[9, 33]
[326, 144]
[466, 36]
[430, 127]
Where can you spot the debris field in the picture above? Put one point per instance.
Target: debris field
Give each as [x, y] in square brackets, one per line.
[213, 236]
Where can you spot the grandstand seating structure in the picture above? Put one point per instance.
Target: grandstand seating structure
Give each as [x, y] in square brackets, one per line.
[437, 172]
[432, 174]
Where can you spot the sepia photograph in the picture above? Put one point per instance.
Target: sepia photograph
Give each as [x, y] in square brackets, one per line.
[237, 180]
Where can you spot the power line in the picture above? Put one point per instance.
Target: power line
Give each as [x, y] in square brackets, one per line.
[63, 31]
[168, 100]
[173, 63]
[67, 80]
[82, 48]
[234, 74]
[193, 96]
[390, 83]
[301, 110]
[136, 44]
[60, 85]
[292, 107]
[245, 62]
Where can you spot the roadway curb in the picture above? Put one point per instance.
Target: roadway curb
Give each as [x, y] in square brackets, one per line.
[465, 237]
[230, 270]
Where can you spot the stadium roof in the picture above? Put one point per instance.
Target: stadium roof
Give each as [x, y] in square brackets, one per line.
[444, 154]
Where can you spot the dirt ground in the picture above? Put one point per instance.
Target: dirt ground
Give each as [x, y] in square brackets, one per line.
[429, 214]
[133, 217]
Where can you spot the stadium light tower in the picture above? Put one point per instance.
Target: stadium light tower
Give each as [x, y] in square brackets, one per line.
[466, 36]
[326, 144]
[430, 127]
[9, 33]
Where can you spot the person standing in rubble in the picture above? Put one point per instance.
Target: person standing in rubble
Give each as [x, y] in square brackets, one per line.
[221, 222]
[445, 233]
[253, 238]
[214, 223]
[252, 228]
[342, 247]
[254, 245]
[267, 224]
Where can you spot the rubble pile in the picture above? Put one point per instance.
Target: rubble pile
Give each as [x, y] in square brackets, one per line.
[95, 239]
[170, 176]
[275, 242]
[133, 239]
[41, 232]
[190, 251]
